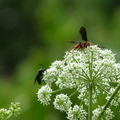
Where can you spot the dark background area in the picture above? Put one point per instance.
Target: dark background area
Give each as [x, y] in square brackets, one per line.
[36, 32]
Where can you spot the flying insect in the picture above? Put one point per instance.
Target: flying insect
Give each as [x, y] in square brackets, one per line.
[39, 74]
[81, 45]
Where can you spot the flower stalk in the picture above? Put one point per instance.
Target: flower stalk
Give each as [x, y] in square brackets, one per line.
[110, 99]
[90, 103]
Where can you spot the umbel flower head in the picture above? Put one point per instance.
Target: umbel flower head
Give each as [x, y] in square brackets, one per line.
[90, 69]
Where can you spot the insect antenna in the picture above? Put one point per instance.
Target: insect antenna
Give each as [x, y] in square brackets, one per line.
[42, 65]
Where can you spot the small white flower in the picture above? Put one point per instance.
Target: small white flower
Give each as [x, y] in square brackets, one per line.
[4, 113]
[44, 94]
[13, 110]
[116, 100]
[62, 102]
[108, 114]
[50, 75]
[77, 113]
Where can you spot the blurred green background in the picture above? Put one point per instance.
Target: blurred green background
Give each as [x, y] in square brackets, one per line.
[34, 32]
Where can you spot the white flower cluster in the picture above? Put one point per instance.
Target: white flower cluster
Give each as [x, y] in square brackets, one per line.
[4, 113]
[44, 94]
[62, 102]
[13, 110]
[77, 113]
[78, 70]
[107, 115]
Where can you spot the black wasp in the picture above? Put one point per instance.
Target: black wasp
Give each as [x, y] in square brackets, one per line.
[39, 74]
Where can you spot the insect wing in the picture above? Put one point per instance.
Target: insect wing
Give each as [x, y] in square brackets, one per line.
[83, 33]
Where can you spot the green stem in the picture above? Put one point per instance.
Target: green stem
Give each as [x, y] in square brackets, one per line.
[90, 103]
[8, 116]
[90, 88]
[108, 102]
[73, 93]
[59, 90]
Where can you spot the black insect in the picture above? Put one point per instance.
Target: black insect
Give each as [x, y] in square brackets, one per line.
[38, 76]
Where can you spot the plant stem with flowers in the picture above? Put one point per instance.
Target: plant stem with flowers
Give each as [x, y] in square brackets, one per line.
[14, 109]
[89, 72]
